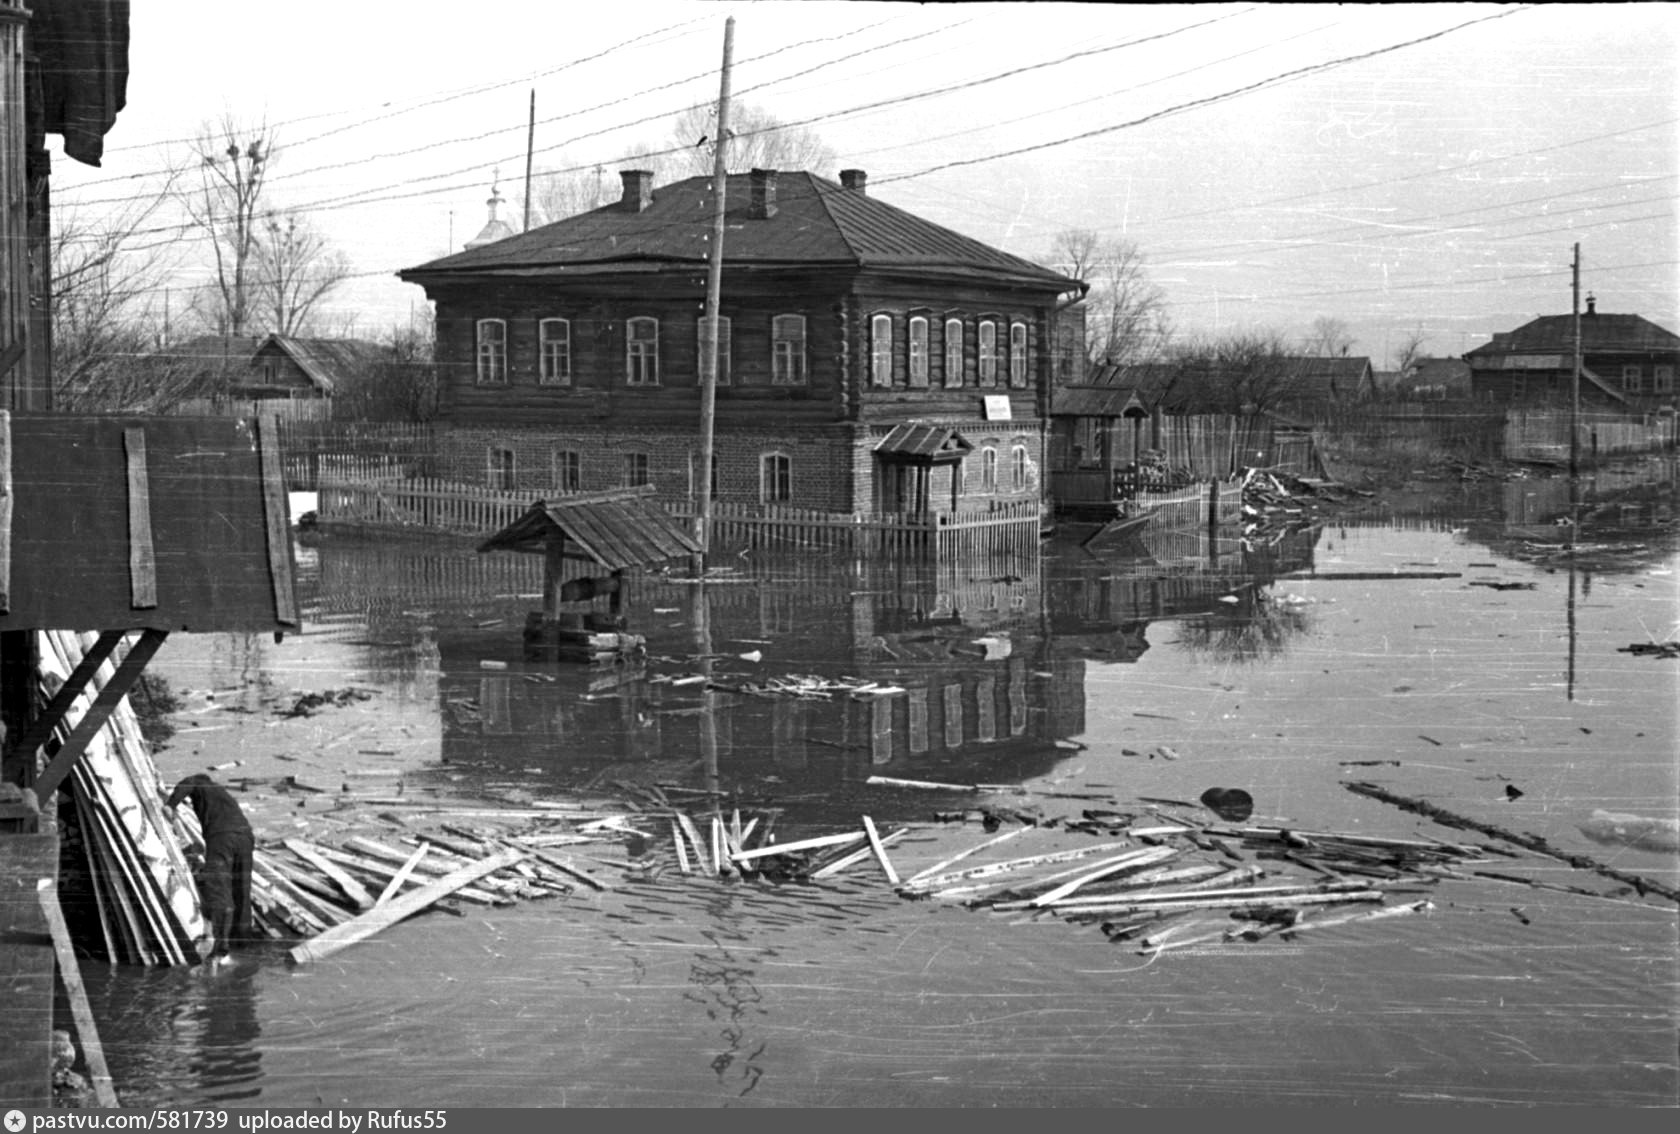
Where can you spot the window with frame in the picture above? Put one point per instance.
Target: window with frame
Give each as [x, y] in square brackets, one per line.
[775, 480]
[1018, 468]
[787, 350]
[988, 353]
[988, 470]
[491, 350]
[554, 352]
[1662, 379]
[498, 468]
[1017, 354]
[641, 351]
[917, 338]
[1633, 379]
[880, 350]
[636, 472]
[953, 353]
[724, 343]
[566, 470]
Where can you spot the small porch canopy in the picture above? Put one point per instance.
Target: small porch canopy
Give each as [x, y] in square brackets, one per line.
[618, 529]
[908, 455]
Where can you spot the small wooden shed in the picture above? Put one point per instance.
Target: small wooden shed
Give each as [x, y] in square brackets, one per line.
[617, 530]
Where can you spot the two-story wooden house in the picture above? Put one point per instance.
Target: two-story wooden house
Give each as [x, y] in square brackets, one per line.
[869, 360]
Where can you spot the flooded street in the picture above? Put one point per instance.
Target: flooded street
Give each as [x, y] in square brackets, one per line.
[1453, 655]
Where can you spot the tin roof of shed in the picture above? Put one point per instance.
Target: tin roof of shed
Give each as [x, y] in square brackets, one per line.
[816, 223]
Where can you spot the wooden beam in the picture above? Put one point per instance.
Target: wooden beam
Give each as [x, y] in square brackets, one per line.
[99, 712]
[277, 520]
[80, 1011]
[396, 909]
[554, 560]
[5, 511]
[53, 715]
[142, 559]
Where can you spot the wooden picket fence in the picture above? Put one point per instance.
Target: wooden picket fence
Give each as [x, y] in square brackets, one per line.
[420, 504]
[1000, 529]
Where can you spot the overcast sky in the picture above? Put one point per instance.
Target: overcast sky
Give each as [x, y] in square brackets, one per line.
[1274, 163]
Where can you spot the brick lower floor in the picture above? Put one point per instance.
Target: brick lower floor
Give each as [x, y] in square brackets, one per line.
[830, 468]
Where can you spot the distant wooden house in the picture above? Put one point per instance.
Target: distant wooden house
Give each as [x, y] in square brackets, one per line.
[1627, 362]
[568, 355]
[1312, 380]
[283, 366]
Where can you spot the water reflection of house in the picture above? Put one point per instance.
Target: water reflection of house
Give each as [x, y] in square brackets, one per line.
[976, 696]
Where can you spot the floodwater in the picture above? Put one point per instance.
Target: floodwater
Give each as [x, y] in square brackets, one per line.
[1448, 653]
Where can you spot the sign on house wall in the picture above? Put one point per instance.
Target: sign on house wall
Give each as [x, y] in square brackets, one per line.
[997, 407]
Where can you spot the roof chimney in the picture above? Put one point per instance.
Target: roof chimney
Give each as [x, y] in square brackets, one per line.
[638, 189]
[855, 179]
[763, 183]
[1592, 304]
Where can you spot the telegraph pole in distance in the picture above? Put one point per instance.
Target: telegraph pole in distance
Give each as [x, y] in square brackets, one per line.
[1575, 374]
[530, 142]
[709, 320]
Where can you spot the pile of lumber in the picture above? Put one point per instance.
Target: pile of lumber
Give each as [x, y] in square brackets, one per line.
[142, 890]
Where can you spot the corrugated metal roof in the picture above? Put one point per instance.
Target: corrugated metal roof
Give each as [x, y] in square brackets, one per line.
[618, 529]
[918, 441]
[816, 222]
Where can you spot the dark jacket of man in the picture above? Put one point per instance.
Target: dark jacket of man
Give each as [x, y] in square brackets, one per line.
[225, 882]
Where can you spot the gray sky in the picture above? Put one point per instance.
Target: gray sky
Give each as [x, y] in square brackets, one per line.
[1438, 185]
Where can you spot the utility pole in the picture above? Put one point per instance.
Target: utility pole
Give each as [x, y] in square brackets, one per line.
[1575, 375]
[530, 144]
[709, 321]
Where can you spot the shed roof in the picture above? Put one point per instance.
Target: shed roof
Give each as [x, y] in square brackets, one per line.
[621, 528]
[1097, 401]
[816, 222]
[128, 523]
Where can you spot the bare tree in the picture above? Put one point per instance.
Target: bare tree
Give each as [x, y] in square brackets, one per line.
[558, 194]
[294, 269]
[402, 385]
[233, 160]
[1409, 349]
[757, 140]
[107, 276]
[1126, 319]
[1329, 338]
[1242, 373]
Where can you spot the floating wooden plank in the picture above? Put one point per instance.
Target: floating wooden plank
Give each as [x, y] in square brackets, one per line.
[926, 785]
[566, 866]
[880, 851]
[1145, 857]
[986, 871]
[956, 858]
[694, 840]
[142, 557]
[401, 876]
[1258, 893]
[71, 974]
[365, 926]
[1279, 901]
[800, 845]
[858, 855]
[682, 852]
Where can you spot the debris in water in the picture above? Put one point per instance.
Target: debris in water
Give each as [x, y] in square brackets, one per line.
[1233, 804]
[308, 704]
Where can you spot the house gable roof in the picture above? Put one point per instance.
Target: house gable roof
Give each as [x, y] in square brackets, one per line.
[1600, 333]
[816, 223]
[325, 362]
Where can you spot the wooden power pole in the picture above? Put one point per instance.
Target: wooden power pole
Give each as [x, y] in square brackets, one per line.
[709, 321]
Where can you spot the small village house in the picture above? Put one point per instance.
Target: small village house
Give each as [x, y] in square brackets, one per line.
[288, 367]
[869, 360]
[1627, 362]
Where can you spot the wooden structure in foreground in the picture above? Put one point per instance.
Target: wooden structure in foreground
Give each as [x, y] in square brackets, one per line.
[116, 530]
[617, 530]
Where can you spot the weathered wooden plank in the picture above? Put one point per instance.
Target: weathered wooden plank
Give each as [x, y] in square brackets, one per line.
[142, 557]
[53, 715]
[99, 712]
[276, 520]
[358, 929]
[353, 889]
[80, 1011]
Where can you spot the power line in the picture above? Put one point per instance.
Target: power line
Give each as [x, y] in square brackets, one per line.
[1193, 104]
